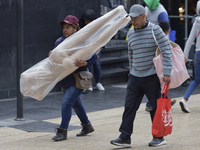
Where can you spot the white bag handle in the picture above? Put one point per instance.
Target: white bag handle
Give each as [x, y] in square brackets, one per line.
[158, 49]
[154, 37]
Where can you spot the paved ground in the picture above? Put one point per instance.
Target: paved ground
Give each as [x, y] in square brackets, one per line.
[104, 109]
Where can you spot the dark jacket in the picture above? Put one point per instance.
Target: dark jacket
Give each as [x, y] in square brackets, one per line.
[89, 14]
[69, 81]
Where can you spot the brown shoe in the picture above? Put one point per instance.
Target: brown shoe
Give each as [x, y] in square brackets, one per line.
[86, 129]
[60, 135]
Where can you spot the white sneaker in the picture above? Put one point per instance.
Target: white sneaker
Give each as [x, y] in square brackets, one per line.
[184, 106]
[100, 87]
[90, 89]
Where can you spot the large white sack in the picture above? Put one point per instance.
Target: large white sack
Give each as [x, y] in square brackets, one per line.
[38, 81]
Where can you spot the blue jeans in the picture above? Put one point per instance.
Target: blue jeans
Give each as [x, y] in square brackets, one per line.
[96, 69]
[71, 100]
[196, 81]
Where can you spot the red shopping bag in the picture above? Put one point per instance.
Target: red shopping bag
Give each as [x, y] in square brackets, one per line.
[162, 122]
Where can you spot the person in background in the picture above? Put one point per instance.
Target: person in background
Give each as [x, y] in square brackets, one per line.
[71, 98]
[88, 16]
[143, 79]
[155, 13]
[194, 34]
[197, 13]
[165, 27]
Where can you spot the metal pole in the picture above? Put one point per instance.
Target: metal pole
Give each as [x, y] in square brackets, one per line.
[186, 20]
[171, 16]
[20, 45]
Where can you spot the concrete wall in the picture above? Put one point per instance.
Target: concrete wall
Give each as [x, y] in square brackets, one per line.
[41, 29]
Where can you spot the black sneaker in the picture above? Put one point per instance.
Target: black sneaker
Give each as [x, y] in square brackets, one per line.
[157, 142]
[173, 102]
[121, 142]
[148, 108]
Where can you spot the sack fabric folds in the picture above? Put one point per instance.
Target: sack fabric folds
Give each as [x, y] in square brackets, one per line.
[179, 71]
[162, 122]
[37, 81]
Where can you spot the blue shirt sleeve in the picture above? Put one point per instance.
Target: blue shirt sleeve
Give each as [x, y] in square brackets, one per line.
[59, 40]
[163, 17]
[92, 60]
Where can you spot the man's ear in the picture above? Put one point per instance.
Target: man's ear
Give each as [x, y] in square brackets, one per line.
[144, 15]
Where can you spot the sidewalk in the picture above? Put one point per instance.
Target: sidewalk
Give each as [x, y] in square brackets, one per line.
[35, 134]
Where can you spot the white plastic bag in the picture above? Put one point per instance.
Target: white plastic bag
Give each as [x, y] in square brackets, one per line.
[38, 81]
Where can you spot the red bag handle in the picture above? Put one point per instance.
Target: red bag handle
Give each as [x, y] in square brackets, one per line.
[164, 90]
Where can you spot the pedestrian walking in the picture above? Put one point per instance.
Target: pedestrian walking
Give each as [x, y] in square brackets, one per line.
[143, 79]
[155, 13]
[71, 98]
[194, 34]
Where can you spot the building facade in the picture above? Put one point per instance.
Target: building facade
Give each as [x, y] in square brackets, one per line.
[41, 28]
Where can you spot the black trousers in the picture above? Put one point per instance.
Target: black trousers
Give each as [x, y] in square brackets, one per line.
[136, 89]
